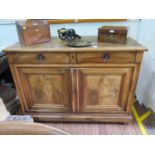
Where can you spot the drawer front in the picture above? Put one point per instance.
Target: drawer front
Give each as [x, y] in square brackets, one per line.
[106, 57]
[40, 58]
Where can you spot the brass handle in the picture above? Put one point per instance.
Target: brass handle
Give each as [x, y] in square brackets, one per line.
[106, 57]
[40, 57]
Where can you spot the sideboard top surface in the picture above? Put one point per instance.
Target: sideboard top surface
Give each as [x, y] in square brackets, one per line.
[56, 45]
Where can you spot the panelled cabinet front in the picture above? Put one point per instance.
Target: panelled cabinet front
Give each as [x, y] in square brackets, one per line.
[45, 89]
[88, 85]
[104, 89]
[95, 90]
[73, 90]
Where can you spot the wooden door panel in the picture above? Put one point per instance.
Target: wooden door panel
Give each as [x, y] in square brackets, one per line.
[46, 89]
[103, 89]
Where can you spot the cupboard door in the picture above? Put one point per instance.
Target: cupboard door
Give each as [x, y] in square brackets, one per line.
[103, 89]
[45, 89]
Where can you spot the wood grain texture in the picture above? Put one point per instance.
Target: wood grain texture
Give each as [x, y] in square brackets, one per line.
[40, 58]
[33, 31]
[26, 128]
[102, 91]
[92, 84]
[56, 45]
[81, 117]
[62, 21]
[139, 56]
[99, 128]
[105, 57]
[46, 89]
[112, 34]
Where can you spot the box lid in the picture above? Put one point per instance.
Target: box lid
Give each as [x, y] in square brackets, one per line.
[31, 22]
[114, 29]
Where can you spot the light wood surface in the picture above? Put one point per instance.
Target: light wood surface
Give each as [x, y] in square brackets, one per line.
[113, 57]
[56, 45]
[38, 58]
[99, 128]
[26, 128]
[104, 89]
[62, 84]
[46, 89]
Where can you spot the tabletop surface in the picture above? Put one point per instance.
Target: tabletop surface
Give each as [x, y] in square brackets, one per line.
[57, 45]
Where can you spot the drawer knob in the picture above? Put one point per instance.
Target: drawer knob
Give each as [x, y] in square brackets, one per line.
[40, 57]
[106, 57]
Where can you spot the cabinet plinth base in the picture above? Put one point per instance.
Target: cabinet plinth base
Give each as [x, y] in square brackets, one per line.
[115, 118]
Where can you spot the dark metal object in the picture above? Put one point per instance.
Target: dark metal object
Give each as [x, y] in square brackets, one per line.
[40, 57]
[79, 43]
[106, 57]
[72, 39]
[68, 34]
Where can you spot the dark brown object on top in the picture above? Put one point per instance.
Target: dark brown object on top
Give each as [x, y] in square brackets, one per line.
[112, 34]
[33, 31]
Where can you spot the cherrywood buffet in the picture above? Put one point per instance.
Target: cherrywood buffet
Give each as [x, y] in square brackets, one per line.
[91, 84]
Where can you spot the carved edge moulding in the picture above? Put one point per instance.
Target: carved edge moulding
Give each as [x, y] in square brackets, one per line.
[63, 21]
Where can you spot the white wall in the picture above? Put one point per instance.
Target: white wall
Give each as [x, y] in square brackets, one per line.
[8, 34]
[92, 28]
[146, 84]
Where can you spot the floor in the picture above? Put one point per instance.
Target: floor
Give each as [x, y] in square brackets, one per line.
[143, 123]
[146, 117]
[149, 124]
[99, 128]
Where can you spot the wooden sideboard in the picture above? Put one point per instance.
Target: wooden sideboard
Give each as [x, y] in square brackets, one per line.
[91, 84]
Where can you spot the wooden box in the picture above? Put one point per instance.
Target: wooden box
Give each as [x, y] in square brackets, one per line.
[33, 32]
[112, 34]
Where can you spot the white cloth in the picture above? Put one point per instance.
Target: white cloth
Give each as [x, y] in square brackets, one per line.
[3, 111]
